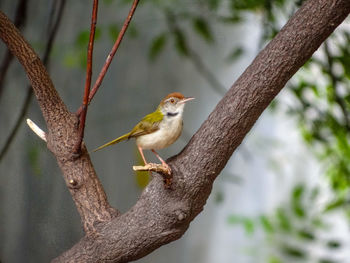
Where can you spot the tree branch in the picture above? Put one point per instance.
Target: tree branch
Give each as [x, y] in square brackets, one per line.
[85, 103]
[52, 33]
[163, 215]
[62, 134]
[111, 54]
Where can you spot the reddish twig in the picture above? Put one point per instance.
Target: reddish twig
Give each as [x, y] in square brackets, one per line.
[111, 54]
[88, 76]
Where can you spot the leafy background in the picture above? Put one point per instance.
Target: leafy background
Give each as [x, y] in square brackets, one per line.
[284, 196]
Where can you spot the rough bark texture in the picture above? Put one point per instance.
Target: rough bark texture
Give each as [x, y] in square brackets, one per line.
[163, 215]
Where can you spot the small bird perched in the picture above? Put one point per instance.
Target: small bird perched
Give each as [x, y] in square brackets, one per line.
[158, 129]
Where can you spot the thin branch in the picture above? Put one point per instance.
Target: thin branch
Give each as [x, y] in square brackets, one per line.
[17, 125]
[19, 21]
[46, 56]
[62, 134]
[88, 76]
[163, 215]
[35, 128]
[111, 53]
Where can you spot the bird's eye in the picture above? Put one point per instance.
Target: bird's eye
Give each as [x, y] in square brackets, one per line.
[172, 100]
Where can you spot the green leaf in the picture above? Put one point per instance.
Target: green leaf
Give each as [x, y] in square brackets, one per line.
[249, 226]
[180, 43]
[297, 205]
[267, 225]
[113, 31]
[157, 46]
[202, 28]
[294, 252]
[235, 219]
[213, 4]
[306, 234]
[339, 203]
[235, 54]
[334, 244]
[246, 222]
[283, 220]
[82, 39]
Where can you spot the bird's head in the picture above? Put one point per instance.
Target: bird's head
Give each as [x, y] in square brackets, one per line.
[173, 104]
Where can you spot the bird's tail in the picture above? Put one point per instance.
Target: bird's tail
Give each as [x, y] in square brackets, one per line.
[119, 139]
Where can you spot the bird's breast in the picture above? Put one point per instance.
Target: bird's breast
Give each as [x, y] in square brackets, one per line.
[169, 131]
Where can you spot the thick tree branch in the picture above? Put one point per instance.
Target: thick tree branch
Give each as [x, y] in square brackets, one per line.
[163, 215]
[62, 134]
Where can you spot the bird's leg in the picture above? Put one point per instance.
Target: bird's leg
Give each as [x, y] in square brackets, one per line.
[160, 158]
[141, 152]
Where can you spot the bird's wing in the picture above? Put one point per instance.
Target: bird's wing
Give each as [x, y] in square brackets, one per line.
[150, 123]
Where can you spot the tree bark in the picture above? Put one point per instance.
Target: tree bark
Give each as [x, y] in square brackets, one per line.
[162, 215]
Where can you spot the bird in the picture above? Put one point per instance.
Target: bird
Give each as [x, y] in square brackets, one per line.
[158, 129]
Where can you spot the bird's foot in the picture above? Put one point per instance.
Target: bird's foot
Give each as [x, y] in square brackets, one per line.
[166, 166]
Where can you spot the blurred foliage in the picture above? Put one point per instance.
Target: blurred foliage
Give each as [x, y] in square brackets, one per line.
[320, 89]
[295, 229]
[323, 105]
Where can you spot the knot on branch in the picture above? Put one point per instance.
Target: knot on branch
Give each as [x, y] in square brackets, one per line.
[181, 215]
[179, 212]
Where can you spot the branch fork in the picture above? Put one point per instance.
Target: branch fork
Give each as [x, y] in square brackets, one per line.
[147, 225]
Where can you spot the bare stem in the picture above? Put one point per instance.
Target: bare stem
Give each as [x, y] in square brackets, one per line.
[88, 76]
[111, 53]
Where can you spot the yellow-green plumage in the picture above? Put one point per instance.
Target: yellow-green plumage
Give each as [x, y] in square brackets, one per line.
[149, 124]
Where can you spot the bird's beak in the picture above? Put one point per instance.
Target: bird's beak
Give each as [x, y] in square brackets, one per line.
[186, 99]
